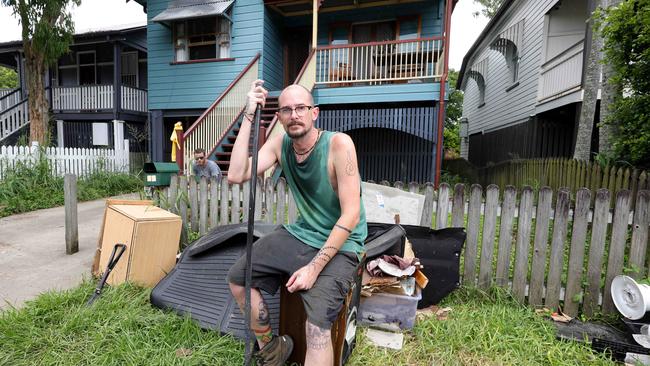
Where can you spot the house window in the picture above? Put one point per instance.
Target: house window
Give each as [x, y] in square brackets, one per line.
[202, 39]
[129, 71]
[87, 68]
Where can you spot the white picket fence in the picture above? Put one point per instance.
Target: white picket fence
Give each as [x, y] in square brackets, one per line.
[79, 161]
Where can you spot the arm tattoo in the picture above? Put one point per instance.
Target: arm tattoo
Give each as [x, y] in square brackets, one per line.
[343, 228]
[349, 166]
[263, 314]
[317, 337]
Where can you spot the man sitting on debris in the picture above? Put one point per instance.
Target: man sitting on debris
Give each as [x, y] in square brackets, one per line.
[322, 249]
[204, 167]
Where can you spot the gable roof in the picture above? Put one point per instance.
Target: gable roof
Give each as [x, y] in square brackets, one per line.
[491, 24]
[105, 34]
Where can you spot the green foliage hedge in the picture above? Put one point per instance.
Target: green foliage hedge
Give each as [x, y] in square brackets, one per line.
[28, 187]
[626, 33]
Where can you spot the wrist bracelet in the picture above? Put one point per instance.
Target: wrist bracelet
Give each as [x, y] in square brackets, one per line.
[249, 117]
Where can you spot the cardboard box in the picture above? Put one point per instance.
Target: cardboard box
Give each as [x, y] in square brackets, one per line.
[151, 236]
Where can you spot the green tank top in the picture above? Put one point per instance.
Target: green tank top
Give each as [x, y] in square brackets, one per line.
[318, 205]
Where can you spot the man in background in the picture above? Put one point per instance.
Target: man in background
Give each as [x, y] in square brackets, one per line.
[203, 167]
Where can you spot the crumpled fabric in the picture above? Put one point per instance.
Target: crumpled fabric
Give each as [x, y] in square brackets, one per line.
[391, 265]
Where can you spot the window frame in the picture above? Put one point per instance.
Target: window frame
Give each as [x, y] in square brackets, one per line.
[186, 44]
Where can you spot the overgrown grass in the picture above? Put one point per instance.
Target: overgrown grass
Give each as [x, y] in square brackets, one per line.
[28, 187]
[122, 328]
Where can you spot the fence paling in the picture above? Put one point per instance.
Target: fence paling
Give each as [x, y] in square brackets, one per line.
[541, 285]
[81, 162]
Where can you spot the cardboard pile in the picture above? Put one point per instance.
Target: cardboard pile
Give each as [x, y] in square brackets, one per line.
[393, 274]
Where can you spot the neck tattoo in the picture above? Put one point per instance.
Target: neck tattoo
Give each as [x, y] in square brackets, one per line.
[308, 150]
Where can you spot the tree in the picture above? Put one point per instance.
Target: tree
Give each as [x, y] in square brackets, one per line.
[626, 32]
[454, 111]
[591, 84]
[490, 7]
[47, 30]
[8, 78]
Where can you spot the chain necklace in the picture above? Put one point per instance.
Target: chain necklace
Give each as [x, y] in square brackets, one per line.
[308, 150]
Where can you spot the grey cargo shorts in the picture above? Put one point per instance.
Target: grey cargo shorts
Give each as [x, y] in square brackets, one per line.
[278, 254]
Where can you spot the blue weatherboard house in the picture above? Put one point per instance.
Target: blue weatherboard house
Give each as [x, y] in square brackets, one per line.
[377, 70]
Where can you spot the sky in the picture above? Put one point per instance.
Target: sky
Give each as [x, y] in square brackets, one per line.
[107, 14]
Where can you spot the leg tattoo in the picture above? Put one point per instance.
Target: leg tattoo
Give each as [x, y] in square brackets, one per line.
[318, 338]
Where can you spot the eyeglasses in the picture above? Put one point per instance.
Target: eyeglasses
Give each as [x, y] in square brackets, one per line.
[286, 112]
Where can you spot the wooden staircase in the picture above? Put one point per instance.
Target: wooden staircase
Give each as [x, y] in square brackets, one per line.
[223, 151]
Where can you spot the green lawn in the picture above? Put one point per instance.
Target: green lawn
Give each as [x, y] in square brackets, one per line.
[121, 328]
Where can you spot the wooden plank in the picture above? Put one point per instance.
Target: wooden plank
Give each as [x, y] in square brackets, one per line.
[245, 197]
[573, 294]
[224, 202]
[556, 259]
[259, 197]
[214, 201]
[173, 194]
[616, 255]
[489, 229]
[293, 209]
[442, 212]
[427, 211]
[268, 200]
[505, 236]
[183, 200]
[280, 188]
[473, 222]
[596, 251]
[458, 208]
[235, 204]
[520, 276]
[70, 205]
[194, 205]
[414, 187]
[639, 243]
[538, 271]
[203, 206]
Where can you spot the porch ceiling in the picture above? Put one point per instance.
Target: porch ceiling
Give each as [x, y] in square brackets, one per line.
[302, 7]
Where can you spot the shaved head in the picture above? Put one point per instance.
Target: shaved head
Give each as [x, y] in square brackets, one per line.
[296, 91]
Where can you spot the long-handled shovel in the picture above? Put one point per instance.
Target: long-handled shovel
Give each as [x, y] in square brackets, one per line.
[249, 238]
[112, 261]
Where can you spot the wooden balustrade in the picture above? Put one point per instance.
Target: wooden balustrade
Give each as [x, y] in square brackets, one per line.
[562, 73]
[214, 123]
[379, 62]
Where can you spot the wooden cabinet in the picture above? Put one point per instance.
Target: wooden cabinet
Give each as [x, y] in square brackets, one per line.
[151, 236]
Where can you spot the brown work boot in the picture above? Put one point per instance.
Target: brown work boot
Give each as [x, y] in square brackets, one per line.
[276, 352]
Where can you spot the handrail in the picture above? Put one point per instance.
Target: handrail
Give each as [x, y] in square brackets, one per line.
[9, 94]
[14, 106]
[381, 43]
[221, 97]
[213, 120]
[573, 47]
[14, 118]
[302, 72]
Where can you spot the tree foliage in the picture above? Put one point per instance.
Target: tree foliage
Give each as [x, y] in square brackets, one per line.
[454, 111]
[8, 78]
[47, 29]
[490, 7]
[626, 33]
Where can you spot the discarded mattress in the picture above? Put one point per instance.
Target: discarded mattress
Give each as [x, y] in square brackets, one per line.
[197, 286]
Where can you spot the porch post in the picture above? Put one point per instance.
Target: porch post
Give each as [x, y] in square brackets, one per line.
[21, 74]
[156, 141]
[118, 134]
[59, 133]
[314, 28]
[117, 79]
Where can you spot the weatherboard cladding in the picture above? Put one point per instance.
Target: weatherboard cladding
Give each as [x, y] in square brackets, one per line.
[505, 108]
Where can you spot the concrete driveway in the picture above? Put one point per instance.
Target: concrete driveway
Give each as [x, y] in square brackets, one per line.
[32, 251]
